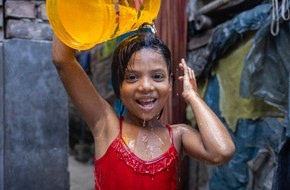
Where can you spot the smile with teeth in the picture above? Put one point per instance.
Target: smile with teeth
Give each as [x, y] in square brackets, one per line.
[147, 103]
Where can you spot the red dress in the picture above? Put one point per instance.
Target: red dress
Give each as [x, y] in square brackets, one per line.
[120, 168]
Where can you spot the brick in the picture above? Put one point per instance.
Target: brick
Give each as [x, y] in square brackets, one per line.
[20, 9]
[41, 12]
[28, 29]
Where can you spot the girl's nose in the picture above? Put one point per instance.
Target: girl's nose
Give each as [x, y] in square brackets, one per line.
[146, 85]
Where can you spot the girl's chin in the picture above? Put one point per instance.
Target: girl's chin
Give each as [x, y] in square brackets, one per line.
[143, 117]
[148, 117]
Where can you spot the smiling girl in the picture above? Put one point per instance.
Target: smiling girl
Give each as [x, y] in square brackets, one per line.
[135, 150]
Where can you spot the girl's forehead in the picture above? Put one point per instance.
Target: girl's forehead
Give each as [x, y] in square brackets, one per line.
[147, 57]
[148, 52]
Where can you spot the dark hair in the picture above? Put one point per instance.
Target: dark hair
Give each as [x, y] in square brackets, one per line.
[128, 47]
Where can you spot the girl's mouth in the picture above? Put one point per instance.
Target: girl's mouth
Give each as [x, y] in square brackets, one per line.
[147, 103]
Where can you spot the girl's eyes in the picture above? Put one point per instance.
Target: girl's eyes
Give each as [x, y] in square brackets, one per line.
[157, 77]
[131, 78]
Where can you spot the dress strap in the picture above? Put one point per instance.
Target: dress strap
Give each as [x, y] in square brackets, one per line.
[121, 121]
[170, 133]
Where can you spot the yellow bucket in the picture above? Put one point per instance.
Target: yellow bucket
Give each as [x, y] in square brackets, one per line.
[81, 24]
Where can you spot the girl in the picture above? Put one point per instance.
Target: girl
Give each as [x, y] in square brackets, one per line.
[135, 150]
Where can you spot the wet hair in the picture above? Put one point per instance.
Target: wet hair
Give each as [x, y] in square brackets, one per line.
[123, 53]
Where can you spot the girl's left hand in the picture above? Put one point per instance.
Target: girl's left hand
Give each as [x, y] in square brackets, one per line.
[188, 79]
[138, 4]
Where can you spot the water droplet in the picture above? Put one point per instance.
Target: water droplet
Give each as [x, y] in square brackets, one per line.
[144, 122]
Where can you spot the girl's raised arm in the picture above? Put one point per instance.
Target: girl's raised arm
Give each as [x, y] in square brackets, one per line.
[93, 108]
[212, 142]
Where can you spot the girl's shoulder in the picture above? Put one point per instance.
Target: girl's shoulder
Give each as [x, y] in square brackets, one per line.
[178, 130]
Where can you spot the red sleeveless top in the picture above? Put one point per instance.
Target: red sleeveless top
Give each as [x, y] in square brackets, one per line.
[120, 168]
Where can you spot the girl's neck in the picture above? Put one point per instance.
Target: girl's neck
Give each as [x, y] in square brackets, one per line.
[154, 122]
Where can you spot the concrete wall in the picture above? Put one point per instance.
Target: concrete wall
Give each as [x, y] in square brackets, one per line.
[1, 118]
[1, 99]
[35, 119]
[33, 103]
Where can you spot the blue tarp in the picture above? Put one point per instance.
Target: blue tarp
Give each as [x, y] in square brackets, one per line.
[265, 76]
[249, 138]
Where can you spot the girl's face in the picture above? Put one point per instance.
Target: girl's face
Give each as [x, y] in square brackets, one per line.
[146, 84]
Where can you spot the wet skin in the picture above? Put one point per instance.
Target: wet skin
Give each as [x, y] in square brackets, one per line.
[146, 85]
[144, 93]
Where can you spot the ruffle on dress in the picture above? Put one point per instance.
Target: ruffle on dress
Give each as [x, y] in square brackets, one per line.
[141, 166]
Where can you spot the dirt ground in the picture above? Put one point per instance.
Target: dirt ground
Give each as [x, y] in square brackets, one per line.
[81, 175]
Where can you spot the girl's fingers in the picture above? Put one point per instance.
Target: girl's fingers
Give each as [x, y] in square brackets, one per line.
[191, 73]
[185, 68]
[180, 78]
[183, 63]
[181, 67]
[137, 4]
[188, 72]
[188, 78]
